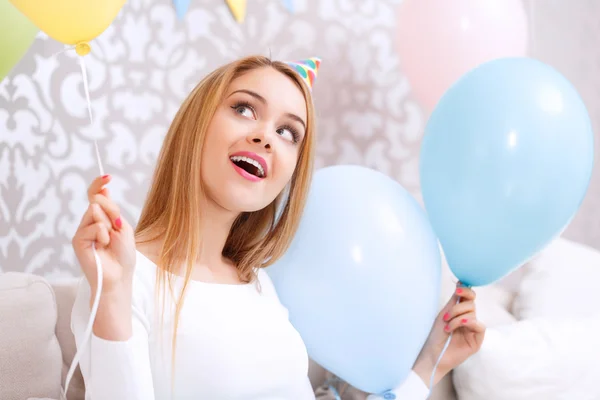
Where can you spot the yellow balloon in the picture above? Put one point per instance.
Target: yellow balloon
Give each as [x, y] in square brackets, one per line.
[73, 22]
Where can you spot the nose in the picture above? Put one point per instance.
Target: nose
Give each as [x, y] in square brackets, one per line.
[261, 139]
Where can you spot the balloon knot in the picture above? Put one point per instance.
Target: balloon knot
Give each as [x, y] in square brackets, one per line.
[82, 48]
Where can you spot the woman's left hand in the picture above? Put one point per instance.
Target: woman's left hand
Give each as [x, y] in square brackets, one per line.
[460, 320]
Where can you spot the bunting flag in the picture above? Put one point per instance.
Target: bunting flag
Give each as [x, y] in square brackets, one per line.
[289, 5]
[238, 9]
[181, 7]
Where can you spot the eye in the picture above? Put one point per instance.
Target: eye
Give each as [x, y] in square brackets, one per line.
[288, 133]
[244, 109]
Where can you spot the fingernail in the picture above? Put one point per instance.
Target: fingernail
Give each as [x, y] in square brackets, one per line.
[446, 316]
[447, 328]
[459, 291]
[464, 320]
[118, 222]
[105, 177]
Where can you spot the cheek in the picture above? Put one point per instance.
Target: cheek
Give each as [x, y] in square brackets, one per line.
[287, 166]
[224, 129]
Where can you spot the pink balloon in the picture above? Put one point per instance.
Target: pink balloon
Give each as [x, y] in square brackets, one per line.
[440, 40]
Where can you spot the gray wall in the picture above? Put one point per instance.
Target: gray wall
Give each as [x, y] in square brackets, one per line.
[143, 66]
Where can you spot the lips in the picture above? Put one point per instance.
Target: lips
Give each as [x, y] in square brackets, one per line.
[250, 163]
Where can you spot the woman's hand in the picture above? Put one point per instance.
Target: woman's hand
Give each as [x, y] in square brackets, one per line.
[460, 320]
[103, 225]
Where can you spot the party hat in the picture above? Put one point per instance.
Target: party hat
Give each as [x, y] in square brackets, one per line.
[307, 69]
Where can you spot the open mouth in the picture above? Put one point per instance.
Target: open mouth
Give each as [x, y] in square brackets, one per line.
[249, 165]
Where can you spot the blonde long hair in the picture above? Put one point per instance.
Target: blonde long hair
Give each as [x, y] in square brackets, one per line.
[171, 213]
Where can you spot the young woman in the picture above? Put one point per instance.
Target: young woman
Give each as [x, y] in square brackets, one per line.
[186, 309]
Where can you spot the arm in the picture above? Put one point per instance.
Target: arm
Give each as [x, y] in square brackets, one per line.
[115, 363]
[457, 318]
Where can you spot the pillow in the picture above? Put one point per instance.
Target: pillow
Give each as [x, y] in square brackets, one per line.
[30, 361]
[550, 358]
[564, 279]
[65, 292]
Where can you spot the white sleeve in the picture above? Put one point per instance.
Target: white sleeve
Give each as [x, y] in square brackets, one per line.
[306, 392]
[113, 369]
[413, 388]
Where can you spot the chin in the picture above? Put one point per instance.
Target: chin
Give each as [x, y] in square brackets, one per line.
[243, 202]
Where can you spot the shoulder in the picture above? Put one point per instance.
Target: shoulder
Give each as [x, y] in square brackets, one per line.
[267, 289]
[266, 284]
[144, 276]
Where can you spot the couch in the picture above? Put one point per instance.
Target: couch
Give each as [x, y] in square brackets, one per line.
[556, 291]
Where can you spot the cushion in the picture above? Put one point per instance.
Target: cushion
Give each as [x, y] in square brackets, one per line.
[30, 365]
[552, 352]
[550, 358]
[65, 291]
[563, 280]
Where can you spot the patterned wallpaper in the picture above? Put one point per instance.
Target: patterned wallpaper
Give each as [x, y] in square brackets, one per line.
[143, 66]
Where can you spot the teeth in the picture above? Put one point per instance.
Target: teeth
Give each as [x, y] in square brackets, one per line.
[252, 161]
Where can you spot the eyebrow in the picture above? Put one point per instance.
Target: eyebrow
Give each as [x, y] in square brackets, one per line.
[264, 101]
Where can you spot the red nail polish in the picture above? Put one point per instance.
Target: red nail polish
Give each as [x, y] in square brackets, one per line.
[464, 320]
[458, 291]
[105, 177]
[447, 328]
[118, 222]
[446, 316]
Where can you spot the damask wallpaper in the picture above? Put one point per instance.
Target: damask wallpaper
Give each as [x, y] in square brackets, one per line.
[147, 61]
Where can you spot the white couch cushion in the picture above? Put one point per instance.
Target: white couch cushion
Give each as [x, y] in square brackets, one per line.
[564, 280]
[553, 352]
[550, 358]
[30, 356]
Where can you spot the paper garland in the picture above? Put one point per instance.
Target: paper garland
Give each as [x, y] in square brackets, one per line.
[289, 5]
[181, 7]
[237, 8]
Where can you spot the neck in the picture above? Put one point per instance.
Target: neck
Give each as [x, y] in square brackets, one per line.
[215, 226]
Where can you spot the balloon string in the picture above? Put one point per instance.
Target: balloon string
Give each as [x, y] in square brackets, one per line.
[63, 50]
[437, 363]
[83, 75]
[85, 86]
[88, 330]
[330, 386]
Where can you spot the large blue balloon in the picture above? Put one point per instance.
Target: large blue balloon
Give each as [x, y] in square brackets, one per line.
[506, 161]
[361, 280]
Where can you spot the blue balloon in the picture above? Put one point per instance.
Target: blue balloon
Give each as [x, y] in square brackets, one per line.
[361, 279]
[506, 161]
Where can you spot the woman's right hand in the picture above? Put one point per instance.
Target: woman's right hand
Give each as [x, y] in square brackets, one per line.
[103, 225]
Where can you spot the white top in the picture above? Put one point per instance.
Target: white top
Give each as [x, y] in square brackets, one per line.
[233, 342]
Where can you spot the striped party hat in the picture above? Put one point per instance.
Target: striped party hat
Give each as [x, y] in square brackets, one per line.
[307, 69]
